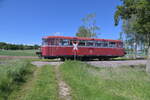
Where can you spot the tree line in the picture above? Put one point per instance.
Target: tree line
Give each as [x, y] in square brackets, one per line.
[8, 46]
[135, 16]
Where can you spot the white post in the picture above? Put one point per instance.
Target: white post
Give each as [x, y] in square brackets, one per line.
[148, 62]
[75, 55]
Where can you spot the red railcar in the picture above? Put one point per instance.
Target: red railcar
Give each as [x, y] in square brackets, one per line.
[62, 47]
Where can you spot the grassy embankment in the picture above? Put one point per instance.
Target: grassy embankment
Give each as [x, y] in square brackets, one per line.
[18, 52]
[42, 86]
[12, 74]
[18, 82]
[88, 83]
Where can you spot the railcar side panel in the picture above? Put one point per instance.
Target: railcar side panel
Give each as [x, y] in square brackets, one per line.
[60, 51]
[45, 51]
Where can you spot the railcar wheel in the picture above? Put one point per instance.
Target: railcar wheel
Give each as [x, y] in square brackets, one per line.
[100, 59]
[44, 57]
[107, 59]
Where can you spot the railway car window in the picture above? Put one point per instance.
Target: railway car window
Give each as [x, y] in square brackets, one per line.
[90, 43]
[44, 42]
[112, 44]
[81, 43]
[74, 41]
[65, 42]
[120, 45]
[98, 44]
[105, 44]
[53, 42]
[57, 42]
[60, 42]
[70, 42]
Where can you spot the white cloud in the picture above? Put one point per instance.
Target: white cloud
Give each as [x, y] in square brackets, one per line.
[57, 34]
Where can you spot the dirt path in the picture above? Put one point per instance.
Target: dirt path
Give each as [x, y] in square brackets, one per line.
[41, 63]
[64, 89]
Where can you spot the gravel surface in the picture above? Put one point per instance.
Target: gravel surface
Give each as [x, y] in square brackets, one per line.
[63, 87]
[42, 63]
[116, 63]
[98, 63]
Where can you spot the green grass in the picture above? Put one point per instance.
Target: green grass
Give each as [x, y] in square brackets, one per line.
[18, 52]
[12, 74]
[89, 83]
[42, 86]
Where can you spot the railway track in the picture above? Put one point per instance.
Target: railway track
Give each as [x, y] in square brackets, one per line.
[112, 63]
[99, 63]
[117, 63]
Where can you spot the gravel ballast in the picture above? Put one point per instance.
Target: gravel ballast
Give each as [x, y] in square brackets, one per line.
[117, 63]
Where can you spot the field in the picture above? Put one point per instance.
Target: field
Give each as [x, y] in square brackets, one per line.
[18, 52]
[90, 83]
[20, 80]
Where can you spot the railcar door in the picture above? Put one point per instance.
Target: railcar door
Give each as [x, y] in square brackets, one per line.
[54, 50]
[52, 46]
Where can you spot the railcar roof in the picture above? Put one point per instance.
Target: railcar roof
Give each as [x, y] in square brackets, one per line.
[80, 38]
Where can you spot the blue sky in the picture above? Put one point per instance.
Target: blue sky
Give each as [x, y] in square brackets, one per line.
[27, 21]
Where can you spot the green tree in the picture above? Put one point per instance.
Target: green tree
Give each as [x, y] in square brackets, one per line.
[8, 46]
[131, 35]
[89, 27]
[121, 36]
[83, 32]
[2, 45]
[36, 46]
[140, 10]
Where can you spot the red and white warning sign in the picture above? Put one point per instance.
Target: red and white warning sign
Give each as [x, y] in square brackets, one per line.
[75, 46]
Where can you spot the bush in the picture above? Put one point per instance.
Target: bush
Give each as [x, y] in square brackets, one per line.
[13, 73]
